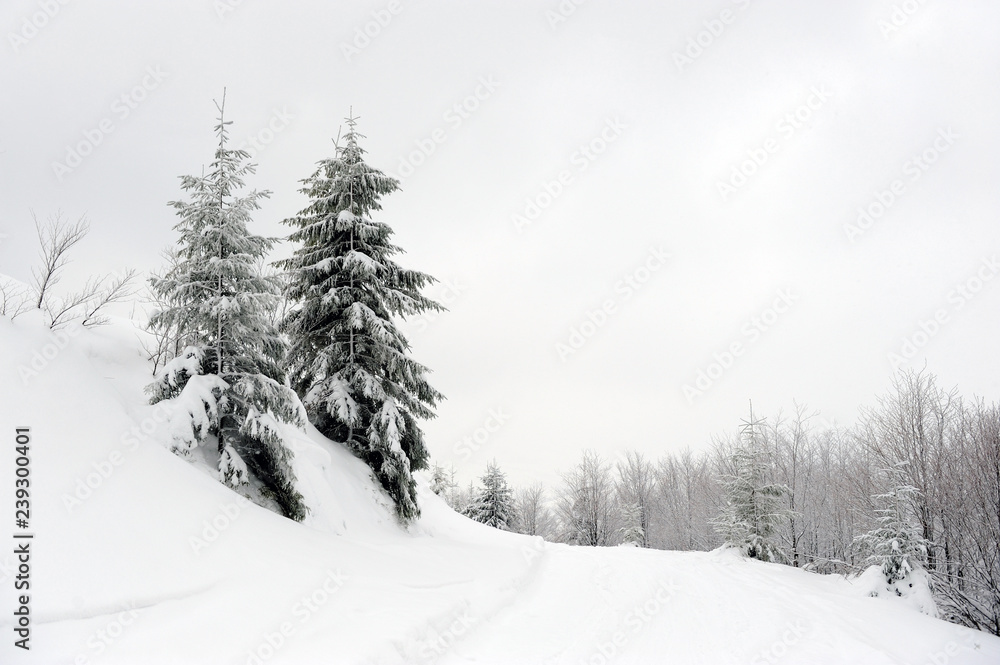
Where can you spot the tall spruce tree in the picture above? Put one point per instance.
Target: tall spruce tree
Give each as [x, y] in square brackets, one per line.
[347, 359]
[228, 382]
[750, 518]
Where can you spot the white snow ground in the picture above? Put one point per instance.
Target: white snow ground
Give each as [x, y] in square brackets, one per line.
[135, 574]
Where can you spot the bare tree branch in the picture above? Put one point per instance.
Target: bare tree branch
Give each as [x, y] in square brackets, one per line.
[61, 311]
[56, 238]
[14, 299]
[118, 289]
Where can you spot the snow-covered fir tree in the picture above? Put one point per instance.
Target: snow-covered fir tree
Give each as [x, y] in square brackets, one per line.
[444, 485]
[493, 503]
[228, 383]
[753, 510]
[895, 544]
[632, 532]
[347, 359]
[442, 481]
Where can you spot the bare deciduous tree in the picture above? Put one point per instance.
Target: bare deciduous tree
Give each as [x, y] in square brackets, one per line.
[587, 507]
[910, 425]
[167, 341]
[56, 237]
[15, 298]
[533, 515]
[635, 486]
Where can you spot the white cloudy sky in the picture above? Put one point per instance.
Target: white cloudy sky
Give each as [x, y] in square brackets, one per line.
[871, 98]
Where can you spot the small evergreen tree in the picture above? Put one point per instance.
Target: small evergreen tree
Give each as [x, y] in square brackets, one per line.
[347, 359]
[493, 504]
[229, 379]
[752, 513]
[442, 481]
[632, 532]
[895, 544]
[462, 498]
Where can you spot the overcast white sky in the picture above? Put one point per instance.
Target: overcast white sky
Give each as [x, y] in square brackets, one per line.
[841, 104]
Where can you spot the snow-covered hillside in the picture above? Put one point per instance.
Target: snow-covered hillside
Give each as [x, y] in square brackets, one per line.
[141, 557]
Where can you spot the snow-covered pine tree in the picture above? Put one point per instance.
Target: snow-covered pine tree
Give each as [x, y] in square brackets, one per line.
[632, 532]
[228, 383]
[347, 359]
[493, 504]
[750, 518]
[896, 544]
[442, 481]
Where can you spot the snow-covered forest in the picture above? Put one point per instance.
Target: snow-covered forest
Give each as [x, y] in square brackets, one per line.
[935, 455]
[507, 334]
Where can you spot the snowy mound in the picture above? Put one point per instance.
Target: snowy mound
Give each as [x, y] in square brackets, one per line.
[140, 556]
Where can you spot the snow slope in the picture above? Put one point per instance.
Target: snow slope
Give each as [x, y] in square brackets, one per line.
[156, 562]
